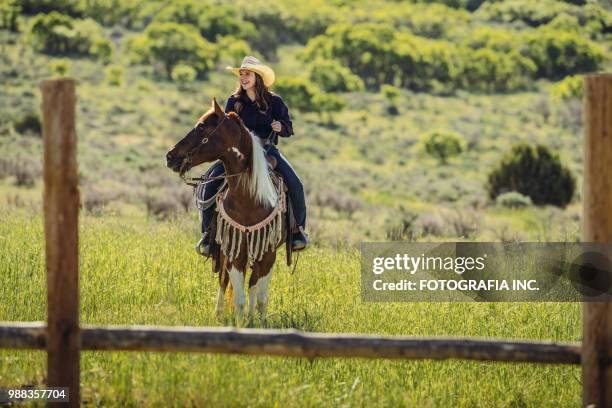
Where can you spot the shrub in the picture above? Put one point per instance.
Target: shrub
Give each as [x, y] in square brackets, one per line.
[58, 33]
[443, 144]
[60, 67]
[28, 123]
[513, 199]
[331, 76]
[45, 6]
[464, 222]
[297, 93]
[9, 15]
[571, 87]
[327, 103]
[114, 75]
[170, 44]
[183, 75]
[558, 54]
[391, 94]
[232, 50]
[534, 171]
[401, 226]
[491, 71]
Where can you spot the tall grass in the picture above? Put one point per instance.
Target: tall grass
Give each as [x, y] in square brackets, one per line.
[137, 271]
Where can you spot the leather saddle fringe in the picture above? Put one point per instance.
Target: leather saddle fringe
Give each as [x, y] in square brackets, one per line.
[260, 238]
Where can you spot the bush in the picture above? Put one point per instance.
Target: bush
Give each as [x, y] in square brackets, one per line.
[534, 171]
[232, 50]
[391, 94]
[331, 76]
[558, 54]
[114, 75]
[9, 15]
[183, 75]
[443, 144]
[28, 123]
[298, 93]
[491, 71]
[327, 103]
[58, 33]
[513, 199]
[60, 67]
[571, 87]
[171, 44]
[45, 6]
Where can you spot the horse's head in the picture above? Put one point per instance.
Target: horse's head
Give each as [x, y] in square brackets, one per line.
[210, 139]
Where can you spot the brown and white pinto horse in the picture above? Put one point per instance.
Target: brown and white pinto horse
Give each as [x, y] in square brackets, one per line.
[251, 197]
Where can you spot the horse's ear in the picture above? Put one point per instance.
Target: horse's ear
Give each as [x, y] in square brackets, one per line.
[217, 108]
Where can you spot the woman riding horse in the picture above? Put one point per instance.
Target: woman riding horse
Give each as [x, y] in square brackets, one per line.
[266, 115]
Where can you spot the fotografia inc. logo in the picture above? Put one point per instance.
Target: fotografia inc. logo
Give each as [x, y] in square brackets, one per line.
[413, 264]
[476, 271]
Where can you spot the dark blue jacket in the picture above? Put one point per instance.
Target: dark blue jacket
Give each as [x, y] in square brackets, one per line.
[259, 122]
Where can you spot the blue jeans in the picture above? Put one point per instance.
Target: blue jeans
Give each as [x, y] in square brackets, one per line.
[294, 184]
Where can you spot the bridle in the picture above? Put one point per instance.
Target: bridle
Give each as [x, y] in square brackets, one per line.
[187, 160]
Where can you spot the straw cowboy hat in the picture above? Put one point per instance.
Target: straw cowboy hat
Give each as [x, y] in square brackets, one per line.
[253, 64]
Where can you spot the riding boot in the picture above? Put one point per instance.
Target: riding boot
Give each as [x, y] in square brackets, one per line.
[299, 240]
[203, 245]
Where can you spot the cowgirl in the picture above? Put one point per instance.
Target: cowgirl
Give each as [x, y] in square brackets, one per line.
[266, 115]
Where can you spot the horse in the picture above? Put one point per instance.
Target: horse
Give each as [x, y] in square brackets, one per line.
[250, 220]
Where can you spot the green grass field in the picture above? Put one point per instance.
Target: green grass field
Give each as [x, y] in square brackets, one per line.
[139, 271]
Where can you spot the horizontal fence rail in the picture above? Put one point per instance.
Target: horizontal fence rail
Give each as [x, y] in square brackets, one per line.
[293, 343]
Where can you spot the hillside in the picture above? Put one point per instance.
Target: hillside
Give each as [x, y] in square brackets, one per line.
[493, 72]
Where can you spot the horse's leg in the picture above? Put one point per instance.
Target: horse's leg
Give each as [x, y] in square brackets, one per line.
[253, 281]
[223, 282]
[264, 275]
[237, 279]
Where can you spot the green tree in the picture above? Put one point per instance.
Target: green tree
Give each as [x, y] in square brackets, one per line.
[298, 93]
[51, 32]
[331, 76]
[327, 104]
[58, 33]
[534, 171]
[169, 44]
[9, 15]
[443, 144]
[558, 54]
[183, 75]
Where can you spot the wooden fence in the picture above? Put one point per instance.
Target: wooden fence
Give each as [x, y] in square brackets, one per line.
[63, 337]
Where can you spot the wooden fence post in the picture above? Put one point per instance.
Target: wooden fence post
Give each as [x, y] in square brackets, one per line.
[61, 208]
[597, 227]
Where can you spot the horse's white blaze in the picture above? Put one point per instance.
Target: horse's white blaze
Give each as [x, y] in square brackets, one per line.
[237, 280]
[262, 294]
[237, 152]
[260, 184]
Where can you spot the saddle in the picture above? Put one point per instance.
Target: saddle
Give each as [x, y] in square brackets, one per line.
[290, 222]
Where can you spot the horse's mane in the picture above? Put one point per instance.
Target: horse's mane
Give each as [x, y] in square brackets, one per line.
[257, 181]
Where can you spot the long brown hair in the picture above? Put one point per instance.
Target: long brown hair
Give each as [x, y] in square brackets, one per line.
[262, 95]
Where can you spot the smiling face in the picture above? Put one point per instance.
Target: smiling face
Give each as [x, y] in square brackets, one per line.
[247, 79]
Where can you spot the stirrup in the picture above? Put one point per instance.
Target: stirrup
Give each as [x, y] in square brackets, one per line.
[203, 246]
[299, 240]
